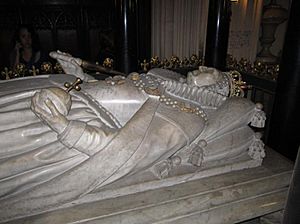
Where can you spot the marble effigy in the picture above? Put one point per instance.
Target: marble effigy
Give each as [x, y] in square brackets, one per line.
[122, 134]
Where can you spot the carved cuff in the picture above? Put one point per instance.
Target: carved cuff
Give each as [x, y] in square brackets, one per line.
[72, 133]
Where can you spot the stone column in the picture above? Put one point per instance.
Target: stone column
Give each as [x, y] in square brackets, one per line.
[126, 35]
[217, 33]
[284, 134]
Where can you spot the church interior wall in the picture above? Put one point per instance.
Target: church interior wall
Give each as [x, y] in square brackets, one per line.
[78, 27]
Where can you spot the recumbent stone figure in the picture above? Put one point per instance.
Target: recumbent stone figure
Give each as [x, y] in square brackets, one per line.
[57, 146]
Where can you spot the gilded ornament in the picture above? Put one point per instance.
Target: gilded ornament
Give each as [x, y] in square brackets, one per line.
[258, 68]
[58, 69]
[6, 73]
[74, 85]
[151, 86]
[108, 63]
[165, 63]
[46, 68]
[175, 62]
[154, 62]
[34, 71]
[145, 65]
[20, 70]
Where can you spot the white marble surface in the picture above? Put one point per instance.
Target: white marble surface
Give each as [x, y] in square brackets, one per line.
[227, 198]
[118, 136]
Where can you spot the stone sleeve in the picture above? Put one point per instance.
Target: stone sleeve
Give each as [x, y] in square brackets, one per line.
[85, 138]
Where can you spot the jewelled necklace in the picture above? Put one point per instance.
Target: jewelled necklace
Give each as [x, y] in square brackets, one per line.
[154, 86]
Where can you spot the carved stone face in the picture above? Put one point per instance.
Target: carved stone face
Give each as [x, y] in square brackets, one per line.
[204, 76]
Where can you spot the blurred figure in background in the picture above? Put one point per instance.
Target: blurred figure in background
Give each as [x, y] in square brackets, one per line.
[27, 49]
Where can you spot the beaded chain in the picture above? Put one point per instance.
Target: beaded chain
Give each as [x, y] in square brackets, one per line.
[151, 85]
[182, 107]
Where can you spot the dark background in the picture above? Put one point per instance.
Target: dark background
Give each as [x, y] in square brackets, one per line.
[74, 26]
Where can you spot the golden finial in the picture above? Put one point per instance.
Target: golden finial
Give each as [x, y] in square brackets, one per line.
[108, 63]
[154, 62]
[20, 70]
[194, 60]
[74, 85]
[145, 65]
[6, 73]
[34, 71]
[185, 61]
[46, 68]
[175, 62]
[165, 63]
[58, 69]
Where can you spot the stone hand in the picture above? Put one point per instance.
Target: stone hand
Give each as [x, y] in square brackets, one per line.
[69, 64]
[52, 117]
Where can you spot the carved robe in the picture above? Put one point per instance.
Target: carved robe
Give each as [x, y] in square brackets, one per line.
[114, 131]
[40, 169]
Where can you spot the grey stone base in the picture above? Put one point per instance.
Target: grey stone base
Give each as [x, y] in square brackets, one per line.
[226, 198]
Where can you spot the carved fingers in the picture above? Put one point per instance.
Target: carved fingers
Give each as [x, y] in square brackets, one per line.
[35, 107]
[69, 64]
[48, 113]
[65, 57]
[52, 108]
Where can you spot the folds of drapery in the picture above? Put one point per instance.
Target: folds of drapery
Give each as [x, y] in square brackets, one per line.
[178, 27]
